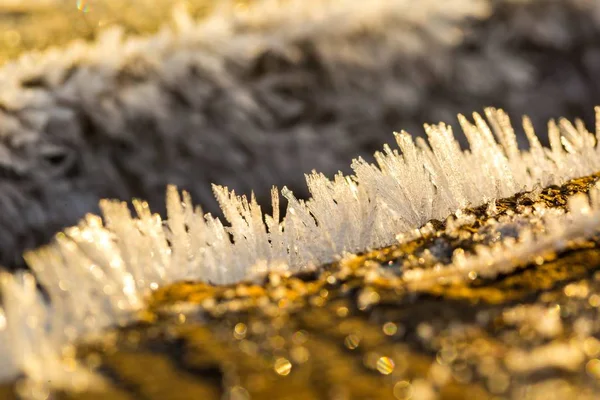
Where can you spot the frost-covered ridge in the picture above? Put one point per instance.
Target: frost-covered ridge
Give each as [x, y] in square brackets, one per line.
[236, 96]
[97, 274]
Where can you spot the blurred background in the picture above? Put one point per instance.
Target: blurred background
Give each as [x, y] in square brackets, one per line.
[113, 98]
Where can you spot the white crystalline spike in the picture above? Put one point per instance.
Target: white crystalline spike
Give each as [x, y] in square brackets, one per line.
[534, 142]
[500, 173]
[297, 210]
[576, 134]
[119, 222]
[259, 229]
[274, 227]
[506, 135]
[589, 140]
[180, 241]
[231, 208]
[447, 161]
[555, 139]
[540, 166]
[415, 176]
[153, 236]
[569, 141]
[483, 127]
[197, 234]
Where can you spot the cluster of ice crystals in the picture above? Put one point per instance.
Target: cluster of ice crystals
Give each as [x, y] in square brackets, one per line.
[30, 347]
[559, 228]
[98, 273]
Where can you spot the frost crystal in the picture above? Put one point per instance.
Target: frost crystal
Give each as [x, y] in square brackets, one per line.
[98, 273]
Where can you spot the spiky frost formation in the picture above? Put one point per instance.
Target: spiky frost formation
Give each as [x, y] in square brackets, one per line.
[36, 337]
[199, 103]
[97, 275]
[257, 100]
[582, 221]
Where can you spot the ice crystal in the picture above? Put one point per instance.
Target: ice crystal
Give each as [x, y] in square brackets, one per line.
[98, 272]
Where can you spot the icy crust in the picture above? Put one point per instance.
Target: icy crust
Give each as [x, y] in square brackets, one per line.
[98, 273]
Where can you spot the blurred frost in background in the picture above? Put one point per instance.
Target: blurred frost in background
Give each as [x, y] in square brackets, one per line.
[252, 94]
